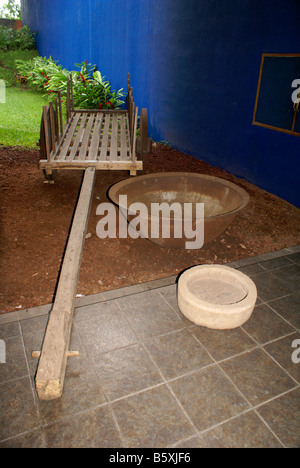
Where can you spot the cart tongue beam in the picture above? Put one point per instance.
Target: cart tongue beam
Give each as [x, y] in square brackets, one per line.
[53, 359]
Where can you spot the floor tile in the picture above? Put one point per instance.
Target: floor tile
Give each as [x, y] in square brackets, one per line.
[251, 269]
[33, 342]
[9, 330]
[288, 307]
[257, 376]
[276, 263]
[283, 417]
[265, 325]
[222, 344]
[95, 429]
[141, 299]
[95, 310]
[245, 431]
[146, 376]
[34, 324]
[290, 276]
[149, 319]
[107, 330]
[269, 286]
[177, 353]
[127, 370]
[15, 365]
[32, 439]
[282, 350]
[208, 397]
[18, 413]
[295, 257]
[152, 419]
[169, 295]
[82, 391]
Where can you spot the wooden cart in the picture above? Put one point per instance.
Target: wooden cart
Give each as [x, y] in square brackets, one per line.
[102, 139]
[89, 140]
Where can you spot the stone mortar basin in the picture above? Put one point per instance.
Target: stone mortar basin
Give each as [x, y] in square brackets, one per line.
[222, 201]
[216, 296]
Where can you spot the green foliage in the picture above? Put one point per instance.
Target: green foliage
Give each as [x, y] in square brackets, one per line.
[8, 70]
[90, 90]
[11, 10]
[39, 70]
[12, 39]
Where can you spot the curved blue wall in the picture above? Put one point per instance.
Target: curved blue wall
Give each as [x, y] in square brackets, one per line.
[194, 65]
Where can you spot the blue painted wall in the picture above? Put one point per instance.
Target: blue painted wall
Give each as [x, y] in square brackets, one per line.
[194, 65]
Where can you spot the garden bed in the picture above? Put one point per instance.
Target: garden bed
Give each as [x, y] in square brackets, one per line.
[35, 219]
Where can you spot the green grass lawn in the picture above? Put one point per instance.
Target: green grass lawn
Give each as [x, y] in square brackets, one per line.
[20, 117]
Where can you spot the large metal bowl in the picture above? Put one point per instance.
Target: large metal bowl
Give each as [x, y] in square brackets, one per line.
[222, 201]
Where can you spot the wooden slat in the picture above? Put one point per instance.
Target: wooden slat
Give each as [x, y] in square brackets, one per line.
[46, 130]
[68, 105]
[56, 120]
[61, 125]
[105, 138]
[114, 139]
[71, 94]
[123, 139]
[68, 137]
[52, 126]
[86, 137]
[78, 138]
[133, 147]
[98, 165]
[53, 360]
[94, 147]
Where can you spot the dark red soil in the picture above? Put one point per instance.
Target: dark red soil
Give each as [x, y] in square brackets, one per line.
[35, 220]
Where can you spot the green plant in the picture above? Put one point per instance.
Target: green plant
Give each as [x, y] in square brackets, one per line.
[90, 89]
[8, 70]
[11, 39]
[39, 70]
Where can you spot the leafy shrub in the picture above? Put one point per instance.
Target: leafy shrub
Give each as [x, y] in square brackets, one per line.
[8, 70]
[39, 70]
[90, 90]
[11, 39]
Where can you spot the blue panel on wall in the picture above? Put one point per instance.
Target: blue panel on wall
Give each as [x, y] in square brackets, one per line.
[275, 105]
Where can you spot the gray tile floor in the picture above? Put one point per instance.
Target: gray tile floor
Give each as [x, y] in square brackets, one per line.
[147, 377]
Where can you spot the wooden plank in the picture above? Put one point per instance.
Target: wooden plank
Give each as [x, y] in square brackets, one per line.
[94, 147]
[46, 131]
[105, 138]
[123, 139]
[114, 139]
[50, 375]
[52, 126]
[133, 147]
[68, 137]
[61, 125]
[86, 137]
[56, 120]
[68, 105]
[71, 94]
[98, 165]
[78, 138]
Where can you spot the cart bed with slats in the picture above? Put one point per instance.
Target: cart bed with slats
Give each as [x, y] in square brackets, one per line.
[103, 139]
